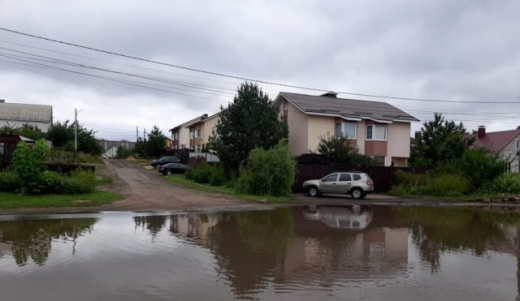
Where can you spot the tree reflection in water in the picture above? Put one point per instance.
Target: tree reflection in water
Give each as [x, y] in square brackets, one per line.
[153, 223]
[32, 239]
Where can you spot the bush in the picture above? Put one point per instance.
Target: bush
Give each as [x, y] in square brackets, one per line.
[217, 176]
[78, 182]
[202, 173]
[28, 164]
[268, 172]
[446, 185]
[9, 181]
[507, 183]
[409, 179]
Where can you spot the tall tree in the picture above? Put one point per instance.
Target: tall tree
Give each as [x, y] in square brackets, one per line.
[250, 121]
[155, 144]
[61, 134]
[440, 141]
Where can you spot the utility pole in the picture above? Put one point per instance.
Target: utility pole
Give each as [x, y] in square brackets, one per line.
[144, 134]
[76, 131]
[136, 133]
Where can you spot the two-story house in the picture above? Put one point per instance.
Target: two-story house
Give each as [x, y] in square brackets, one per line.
[195, 133]
[375, 129]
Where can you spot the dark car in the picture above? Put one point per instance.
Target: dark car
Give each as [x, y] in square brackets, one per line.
[164, 160]
[172, 168]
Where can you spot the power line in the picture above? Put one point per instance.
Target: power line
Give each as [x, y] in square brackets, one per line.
[242, 78]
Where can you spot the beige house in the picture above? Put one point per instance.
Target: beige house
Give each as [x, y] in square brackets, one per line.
[195, 133]
[376, 129]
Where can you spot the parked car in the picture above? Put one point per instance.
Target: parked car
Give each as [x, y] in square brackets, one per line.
[164, 160]
[357, 184]
[172, 168]
[349, 218]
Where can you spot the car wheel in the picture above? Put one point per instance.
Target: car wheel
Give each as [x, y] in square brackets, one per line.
[357, 194]
[169, 173]
[313, 191]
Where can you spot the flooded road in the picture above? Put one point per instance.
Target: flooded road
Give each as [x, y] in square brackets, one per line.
[333, 253]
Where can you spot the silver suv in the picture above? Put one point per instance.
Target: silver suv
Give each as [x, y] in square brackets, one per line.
[357, 184]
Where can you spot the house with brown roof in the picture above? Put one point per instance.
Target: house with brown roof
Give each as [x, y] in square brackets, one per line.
[194, 134]
[376, 129]
[506, 144]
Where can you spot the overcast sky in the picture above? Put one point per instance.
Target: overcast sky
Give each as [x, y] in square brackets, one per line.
[464, 50]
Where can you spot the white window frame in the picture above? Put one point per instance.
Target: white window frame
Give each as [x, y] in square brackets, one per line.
[198, 133]
[373, 132]
[342, 132]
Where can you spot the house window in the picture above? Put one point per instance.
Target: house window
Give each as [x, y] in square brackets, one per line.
[376, 132]
[197, 134]
[2, 148]
[380, 160]
[346, 129]
[197, 148]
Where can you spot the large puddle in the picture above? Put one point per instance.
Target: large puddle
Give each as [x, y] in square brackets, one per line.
[334, 253]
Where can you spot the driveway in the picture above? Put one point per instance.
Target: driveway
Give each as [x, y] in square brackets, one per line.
[148, 190]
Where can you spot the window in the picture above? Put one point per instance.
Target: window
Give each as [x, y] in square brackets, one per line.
[357, 177]
[331, 178]
[380, 160]
[197, 134]
[192, 134]
[346, 129]
[376, 132]
[1, 148]
[345, 177]
[197, 148]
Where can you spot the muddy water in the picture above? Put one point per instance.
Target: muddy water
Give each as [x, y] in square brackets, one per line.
[333, 253]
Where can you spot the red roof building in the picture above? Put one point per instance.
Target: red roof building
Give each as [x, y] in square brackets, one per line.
[504, 143]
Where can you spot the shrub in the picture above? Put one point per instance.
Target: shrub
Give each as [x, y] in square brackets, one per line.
[409, 179]
[78, 182]
[507, 183]
[9, 181]
[446, 185]
[29, 164]
[190, 174]
[268, 172]
[202, 173]
[217, 176]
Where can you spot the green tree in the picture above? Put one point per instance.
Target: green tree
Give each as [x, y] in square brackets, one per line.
[155, 144]
[250, 121]
[339, 150]
[268, 172]
[26, 130]
[29, 164]
[139, 148]
[61, 134]
[440, 141]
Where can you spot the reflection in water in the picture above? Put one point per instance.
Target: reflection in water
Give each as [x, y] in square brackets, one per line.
[346, 252]
[33, 238]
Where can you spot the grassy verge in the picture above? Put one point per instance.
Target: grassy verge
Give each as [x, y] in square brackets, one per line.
[180, 179]
[472, 198]
[13, 201]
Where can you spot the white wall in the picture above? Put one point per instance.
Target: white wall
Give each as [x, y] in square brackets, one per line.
[43, 126]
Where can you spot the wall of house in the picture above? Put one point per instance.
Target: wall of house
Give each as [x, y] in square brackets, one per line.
[398, 146]
[43, 126]
[509, 153]
[298, 129]
[361, 136]
[184, 137]
[208, 127]
[319, 126]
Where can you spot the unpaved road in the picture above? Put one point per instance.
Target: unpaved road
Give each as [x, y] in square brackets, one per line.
[148, 190]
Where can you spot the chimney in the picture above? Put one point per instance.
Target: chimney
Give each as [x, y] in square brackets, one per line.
[481, 132]
[330, 94]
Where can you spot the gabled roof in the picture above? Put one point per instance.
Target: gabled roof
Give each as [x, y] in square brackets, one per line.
[25, 112]
[189, 122]
[494, 142]
[346, 108]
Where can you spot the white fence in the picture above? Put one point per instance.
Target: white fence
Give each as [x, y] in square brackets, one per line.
[209, 157]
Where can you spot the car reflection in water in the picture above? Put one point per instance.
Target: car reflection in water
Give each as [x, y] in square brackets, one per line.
[346, 217]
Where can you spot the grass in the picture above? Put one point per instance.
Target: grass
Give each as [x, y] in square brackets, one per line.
[15, 201]
[87, 158]
[476, 197]
[181, 180]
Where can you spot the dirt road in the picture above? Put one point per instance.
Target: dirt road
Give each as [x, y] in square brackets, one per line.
[148, 190]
